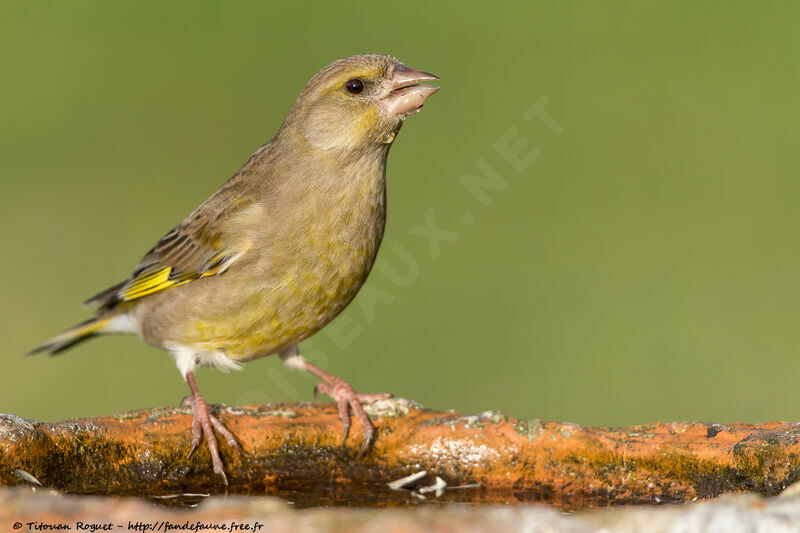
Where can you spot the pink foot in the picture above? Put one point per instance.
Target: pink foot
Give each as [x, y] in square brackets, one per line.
[204, 424]
[346, 399]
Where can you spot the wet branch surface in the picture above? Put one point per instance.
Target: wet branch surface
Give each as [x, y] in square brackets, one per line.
[293, 450]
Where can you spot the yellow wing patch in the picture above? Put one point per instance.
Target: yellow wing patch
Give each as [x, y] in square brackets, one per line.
[146, 284]
[164, 278]
[206, 243]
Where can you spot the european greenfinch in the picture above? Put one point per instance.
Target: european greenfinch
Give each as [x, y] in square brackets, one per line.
[280, 249]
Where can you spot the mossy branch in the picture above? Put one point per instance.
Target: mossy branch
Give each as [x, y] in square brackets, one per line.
[294, 450]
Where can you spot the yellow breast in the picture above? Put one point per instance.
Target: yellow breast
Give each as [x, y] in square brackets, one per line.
[307, 280]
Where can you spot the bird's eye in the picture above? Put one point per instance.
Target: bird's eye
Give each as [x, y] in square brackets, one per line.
[354, 86]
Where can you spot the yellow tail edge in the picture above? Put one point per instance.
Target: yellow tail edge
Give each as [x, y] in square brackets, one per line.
[81, 332]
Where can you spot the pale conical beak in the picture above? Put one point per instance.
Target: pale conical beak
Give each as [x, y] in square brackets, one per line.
[405, 96]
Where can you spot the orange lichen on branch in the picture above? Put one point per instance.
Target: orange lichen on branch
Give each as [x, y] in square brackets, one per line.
[294, 451]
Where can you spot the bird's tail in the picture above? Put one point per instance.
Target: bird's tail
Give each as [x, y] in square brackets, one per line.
[81, 332]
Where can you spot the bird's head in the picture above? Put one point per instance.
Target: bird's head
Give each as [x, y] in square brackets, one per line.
[358, 102]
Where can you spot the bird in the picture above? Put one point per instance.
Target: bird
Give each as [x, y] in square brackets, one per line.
[279, 250]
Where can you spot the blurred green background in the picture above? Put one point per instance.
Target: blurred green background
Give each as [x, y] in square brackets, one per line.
[644, 267]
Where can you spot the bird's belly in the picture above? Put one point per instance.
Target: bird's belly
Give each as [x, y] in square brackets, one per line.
[300, 273]
[288, 306]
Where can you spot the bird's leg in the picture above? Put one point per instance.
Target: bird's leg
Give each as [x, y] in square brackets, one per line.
[346, 398]
[204, 424]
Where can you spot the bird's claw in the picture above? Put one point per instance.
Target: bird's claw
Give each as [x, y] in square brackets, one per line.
[203, 425]
[349, 401]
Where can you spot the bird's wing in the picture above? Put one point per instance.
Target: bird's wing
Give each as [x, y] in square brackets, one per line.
[205, 244]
